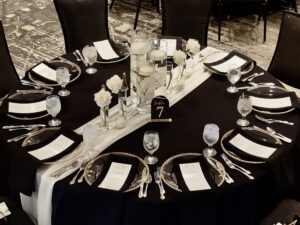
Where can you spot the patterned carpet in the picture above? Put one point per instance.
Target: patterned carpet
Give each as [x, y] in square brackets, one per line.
[34, 34]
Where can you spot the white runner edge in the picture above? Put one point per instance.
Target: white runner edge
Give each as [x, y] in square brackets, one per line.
[39, 205]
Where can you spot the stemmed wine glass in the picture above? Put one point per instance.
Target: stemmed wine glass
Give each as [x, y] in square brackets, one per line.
[63, 78]
[210, 137]
[244, 107]
[233, 75]
[53, 106]
[151, 144]
[90, 55]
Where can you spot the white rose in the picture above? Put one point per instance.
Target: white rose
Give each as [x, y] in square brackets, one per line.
[114, 84]
[102, 98]
[193, 46]
[179, 57]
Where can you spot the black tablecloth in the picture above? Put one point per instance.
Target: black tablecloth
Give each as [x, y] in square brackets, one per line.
[244, 202]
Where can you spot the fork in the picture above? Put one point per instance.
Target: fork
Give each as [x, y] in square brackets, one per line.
[233, 166]
[251, 77]
[158, 181]
[18, 138]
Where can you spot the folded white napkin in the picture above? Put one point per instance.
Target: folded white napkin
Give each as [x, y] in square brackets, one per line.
[45, 71]
[223, 67]
[105, 50]
[271, 103]
[27, 108]
[4, 211]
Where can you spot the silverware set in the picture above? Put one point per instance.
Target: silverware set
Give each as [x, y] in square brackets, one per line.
[234, 166]
[276, 134]
[253, 76]
[270, 121]
[32, 128]
[158, 181]
[65, 168]
[83, 164]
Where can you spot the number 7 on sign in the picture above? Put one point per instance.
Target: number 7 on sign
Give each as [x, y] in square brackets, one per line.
[161, 108]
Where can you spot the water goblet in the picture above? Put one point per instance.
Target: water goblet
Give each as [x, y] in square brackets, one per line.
[151, 144]
[63, 78]
[53, 106]
[244, 107]
[90, 55]
[233, 75]
[210, 137]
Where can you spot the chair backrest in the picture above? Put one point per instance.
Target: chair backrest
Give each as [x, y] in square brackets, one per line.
[285, 64]
[8, 74]
[82, 21]
[186, 18]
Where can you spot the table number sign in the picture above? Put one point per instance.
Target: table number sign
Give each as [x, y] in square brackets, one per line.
[160, 109]
[4, 211]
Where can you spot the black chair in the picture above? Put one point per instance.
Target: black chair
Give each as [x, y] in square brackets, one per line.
[82, 21]
[285, 212]
[17, 217]
[259, 7]
[186, 19]
[285, 64]
[8, 74]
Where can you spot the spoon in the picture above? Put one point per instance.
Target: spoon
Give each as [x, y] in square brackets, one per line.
[148, 181]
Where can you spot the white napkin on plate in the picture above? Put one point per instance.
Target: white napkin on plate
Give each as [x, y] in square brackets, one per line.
[105, 50]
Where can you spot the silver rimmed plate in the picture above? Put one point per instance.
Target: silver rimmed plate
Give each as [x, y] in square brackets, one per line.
[95, 167]
[255, 133]
[216, 168]
[28, 96]
[39, 136]
[269, 92]
[61, 62]
[216, 56]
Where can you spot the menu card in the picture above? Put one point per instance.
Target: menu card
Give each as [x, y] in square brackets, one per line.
[193, 176]
[105, 50]
[4, 211]
[45, 71]
[223, 67]
[55, 147]
[171, 46]
[116, 176]
[251, 147]
[271, 103]
[27, 108]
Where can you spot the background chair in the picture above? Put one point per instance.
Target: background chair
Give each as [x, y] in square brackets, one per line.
[186, 18]
[284, 213]
[285, 64]
[82, 21]
[259, 7]
[8, 74]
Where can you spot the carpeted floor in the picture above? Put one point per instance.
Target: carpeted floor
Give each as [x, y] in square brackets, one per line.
[34, 34]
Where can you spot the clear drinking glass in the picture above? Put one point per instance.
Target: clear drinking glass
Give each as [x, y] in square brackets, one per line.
[244, 107]
[90, 55]
[63, 78]
[151, 144]
[210, 137]
[233, 75]
[90, 135]
[53, 106]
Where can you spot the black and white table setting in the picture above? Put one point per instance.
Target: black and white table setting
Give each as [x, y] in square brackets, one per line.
[90, 168]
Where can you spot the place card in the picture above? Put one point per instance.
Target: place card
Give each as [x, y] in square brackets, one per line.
[223, 67]
[116, 176]
[45, 71]
[171, 46]
[27, 108]
[250, 147]
[105, 50]
[271, 103]
[57, 146]
[193, 176]
[4, 211]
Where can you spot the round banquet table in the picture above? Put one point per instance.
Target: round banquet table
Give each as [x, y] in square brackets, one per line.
[243, 202]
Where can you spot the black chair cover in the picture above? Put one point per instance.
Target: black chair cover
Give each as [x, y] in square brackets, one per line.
[285, 64]
[186, 18]
[283, 213]
[8, 75]
[82, 21]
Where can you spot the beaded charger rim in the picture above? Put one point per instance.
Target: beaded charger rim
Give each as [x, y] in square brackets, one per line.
[28, 92]
[237, 158]
[70, 156]
[270, 112]
[60, 60]
[123, 154]
[218, 167]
